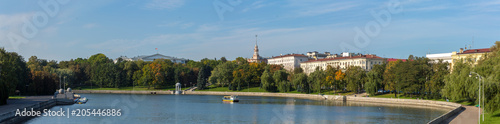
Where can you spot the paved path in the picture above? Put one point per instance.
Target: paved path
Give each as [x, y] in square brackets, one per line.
[14, 104]
[468, 115]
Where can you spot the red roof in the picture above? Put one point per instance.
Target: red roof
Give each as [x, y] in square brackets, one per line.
[351, 57]
[298, 55]
[484, 50]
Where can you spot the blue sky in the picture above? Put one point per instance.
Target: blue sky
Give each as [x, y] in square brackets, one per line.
[194, 30]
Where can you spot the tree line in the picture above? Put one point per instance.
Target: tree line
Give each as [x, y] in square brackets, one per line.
[43, 77]
[418, 77]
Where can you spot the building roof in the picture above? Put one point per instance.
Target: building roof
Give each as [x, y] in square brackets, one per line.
[350, 57]
[469, 51]
[156, 55]
[295, 55]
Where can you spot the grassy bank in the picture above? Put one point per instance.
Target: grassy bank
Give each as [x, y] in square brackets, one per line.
[16, 97]
[492, 117]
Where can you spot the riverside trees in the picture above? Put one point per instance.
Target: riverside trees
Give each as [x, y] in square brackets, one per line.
[490, 69]
[13, 72]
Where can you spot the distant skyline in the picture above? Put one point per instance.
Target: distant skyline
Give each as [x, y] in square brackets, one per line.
[197, 29]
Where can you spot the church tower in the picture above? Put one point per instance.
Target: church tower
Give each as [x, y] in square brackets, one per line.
[256, 57]
[256, 50]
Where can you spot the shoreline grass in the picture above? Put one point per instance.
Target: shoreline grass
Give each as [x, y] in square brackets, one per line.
[16, 97]
[491, 117]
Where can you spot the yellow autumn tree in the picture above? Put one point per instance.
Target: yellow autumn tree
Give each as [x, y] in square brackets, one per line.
[339, 79]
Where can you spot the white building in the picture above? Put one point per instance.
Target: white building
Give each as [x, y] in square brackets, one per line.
[366, 62]
[123, 58]
[289, 62]
[317, 55]
[446, 57]
[152, 58]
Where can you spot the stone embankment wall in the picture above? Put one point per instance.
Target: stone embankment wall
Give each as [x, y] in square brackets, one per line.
[440, 104]
[10, 118]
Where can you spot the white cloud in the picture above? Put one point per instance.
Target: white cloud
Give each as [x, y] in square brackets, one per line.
[164, 4]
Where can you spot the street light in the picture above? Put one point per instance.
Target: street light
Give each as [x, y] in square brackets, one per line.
[481, 86]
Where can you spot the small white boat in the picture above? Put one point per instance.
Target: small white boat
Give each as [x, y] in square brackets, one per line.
[230, 98]
[82, 100]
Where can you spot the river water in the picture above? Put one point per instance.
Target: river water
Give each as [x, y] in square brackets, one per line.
[182, 109]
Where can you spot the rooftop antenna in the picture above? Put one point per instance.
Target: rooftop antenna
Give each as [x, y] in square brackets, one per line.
[472, 42]
[255, 40]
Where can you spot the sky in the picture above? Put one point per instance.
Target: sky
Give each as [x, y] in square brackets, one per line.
[195, 29]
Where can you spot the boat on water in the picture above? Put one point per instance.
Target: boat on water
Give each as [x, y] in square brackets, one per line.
[81, 100]
[231, 98]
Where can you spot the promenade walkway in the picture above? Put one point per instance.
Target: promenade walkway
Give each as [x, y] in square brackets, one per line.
[468, 116]
[14, 104]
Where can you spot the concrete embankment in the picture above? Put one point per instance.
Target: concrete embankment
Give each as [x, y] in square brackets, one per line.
[11, 118]
[453, 107]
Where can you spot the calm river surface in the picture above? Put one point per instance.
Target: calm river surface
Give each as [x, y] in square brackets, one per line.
[210, 109]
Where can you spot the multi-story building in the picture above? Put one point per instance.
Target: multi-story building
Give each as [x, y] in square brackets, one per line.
[317, 55]
[289, 62]
[473, 55]
[446, 57]
[366, 62]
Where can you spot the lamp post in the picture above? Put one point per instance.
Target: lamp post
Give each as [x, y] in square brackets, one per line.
[480, 85]
[60, 81]
[64, 83]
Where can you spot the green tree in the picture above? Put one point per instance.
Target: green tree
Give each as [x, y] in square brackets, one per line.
[280, 78]
[355, 78]
[489, 68]
[130, 68]
[373, 81]
[300, 81]
[268, 81]
[389, 76]
[222, 75]
[201, 82]
[458, 84]
[13, 72]
[436, 83]
[380, 69]
[316, 79]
